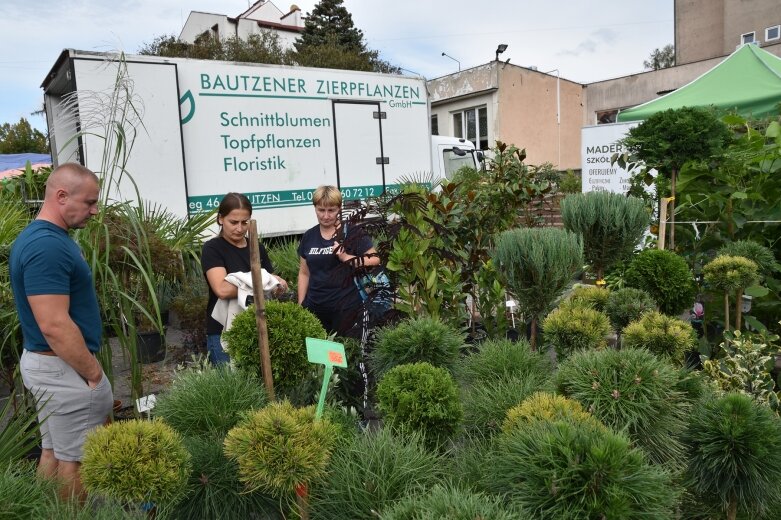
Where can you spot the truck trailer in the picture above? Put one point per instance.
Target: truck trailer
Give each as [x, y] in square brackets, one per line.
[193, 130]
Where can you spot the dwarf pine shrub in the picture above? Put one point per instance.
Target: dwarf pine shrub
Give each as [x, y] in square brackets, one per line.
[422, 398]
[544, 406]
[486, 404]
[589, 296]
[734, 447]
[571, 328]
[665, 276]
[422, 339]
[501, 359]
[663, 335]
[626, 305]
[759, 254]
[374, 470]
[211, 401]
[629, 390]
[730, 273]
[568, 469]
[136, 461]
[281, 447]
[444, 502]
[214, 489]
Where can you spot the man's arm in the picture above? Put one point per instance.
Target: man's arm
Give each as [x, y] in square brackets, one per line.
[63, 335]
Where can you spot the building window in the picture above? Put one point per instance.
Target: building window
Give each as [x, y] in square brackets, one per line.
[434, 125]
[748, 37]
[605, 117]
[472, 124]
[773, 33]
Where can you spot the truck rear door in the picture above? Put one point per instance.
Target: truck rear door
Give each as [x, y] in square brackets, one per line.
[360, 164]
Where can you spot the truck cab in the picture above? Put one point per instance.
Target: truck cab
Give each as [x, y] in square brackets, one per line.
[448, 154]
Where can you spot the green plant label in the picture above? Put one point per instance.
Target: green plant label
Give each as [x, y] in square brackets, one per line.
[325, 352]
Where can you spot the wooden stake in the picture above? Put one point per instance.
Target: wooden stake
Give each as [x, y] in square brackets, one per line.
[662, 221]
[260, 309]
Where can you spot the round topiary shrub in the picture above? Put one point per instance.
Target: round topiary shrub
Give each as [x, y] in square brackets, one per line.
[422, 398]
[416, 340]
[136, 461]
[544, 406]
[627, 305]
[666, 277]
[449, 503]
[589, 296]
[211, 401]
[281, 447]
[663, 335]
[734, 447]
[373, 471]
[485, 404]
[501, 359]
[570, 328]
[629, 390]
[214, 490]
[730, 273]
[759, 254]
[289, 325]
[565, 469]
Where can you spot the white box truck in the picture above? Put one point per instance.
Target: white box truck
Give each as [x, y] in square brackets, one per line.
[274, 133]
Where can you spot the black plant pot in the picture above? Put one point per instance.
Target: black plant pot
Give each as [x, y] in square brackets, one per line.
[151, 346]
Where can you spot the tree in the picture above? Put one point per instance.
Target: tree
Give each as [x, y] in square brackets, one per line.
[330, 23]
[661, 58]
[22, 138]
[669, 139]
[331, 40]
[256, 48]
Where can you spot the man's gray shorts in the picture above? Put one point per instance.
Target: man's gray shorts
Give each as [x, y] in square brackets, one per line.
[69, 406]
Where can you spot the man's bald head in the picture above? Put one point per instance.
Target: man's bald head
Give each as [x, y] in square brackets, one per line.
[69, 177]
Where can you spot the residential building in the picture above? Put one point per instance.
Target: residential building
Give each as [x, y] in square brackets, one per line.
[498, 101]
[263, 15]
[707, 29]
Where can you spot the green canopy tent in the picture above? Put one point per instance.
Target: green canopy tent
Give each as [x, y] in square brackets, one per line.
[748, 81]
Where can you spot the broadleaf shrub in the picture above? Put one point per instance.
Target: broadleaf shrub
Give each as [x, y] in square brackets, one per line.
[665, 336]
[666, 277]
[422, 398]
[627, 305]
[373, 471]
[289, 325]
[565, 469]
[136, 461]
[629, 390]
[735, 454]
[416, 340]
[209, 402]
[570, 328]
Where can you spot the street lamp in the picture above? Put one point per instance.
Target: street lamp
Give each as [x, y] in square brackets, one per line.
[452, 58]
[558, 111]
[500, 49]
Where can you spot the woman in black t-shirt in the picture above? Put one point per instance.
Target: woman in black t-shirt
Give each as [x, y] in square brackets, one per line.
[326, 267]
[228, 253]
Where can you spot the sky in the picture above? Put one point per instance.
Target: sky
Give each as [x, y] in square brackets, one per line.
[584, 40]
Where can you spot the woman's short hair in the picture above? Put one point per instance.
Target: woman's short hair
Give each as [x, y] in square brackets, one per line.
[327, 196]
[233, 201]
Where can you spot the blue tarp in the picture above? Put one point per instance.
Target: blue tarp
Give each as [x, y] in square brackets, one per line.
[10, 161]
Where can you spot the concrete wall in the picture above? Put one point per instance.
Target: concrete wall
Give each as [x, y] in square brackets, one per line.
[699, 30]
[528, 100]
[707, 29]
